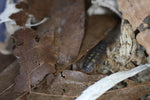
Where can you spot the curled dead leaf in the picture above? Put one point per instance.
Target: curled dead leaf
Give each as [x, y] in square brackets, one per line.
[143, 39]
[134, 11]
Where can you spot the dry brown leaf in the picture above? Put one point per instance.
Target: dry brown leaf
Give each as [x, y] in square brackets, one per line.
[5, 60]
[32, 7]
[143, 38]
[21, 20]
[59, 43]
[67, 27]
[39, 9]
[69, 84]
[128, 93]
[8, 75]
[134, 11]
[66, 86]
[72, 83]
[8, 71]
[97, 28]
[40, 58]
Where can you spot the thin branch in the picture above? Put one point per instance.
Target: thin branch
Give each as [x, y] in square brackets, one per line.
[7, 89]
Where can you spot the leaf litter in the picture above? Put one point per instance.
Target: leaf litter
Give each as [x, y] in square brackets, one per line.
[50, 48]
[38, 61]
[56, 47]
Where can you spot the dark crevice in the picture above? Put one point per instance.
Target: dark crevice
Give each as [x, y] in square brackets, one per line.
[37, 39]
[34, 28]
[136, 32]
[62, 75]
[145, 53]
[64, 90]
[134, 63]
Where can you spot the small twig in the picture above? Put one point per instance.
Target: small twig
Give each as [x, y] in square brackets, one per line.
[19, 98]
[7, 89]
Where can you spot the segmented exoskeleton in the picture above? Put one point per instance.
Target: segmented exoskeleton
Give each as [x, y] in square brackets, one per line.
[96, 55]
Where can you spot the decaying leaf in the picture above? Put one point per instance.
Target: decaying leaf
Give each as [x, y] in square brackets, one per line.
[134, 11]
[97, 28]
[22, 19]
[68, 27]
[143, 39]
[72, 82]
[9, 69]
[58, 45]
[5, 60]
[128, 93]
[31, 7]
[40, 58]
[10, 9]
[66, 86]
[69, 84]
[45, 51]
[8, 75]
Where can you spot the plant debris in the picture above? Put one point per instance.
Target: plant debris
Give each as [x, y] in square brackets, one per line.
[57, 46]
[50, 40]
